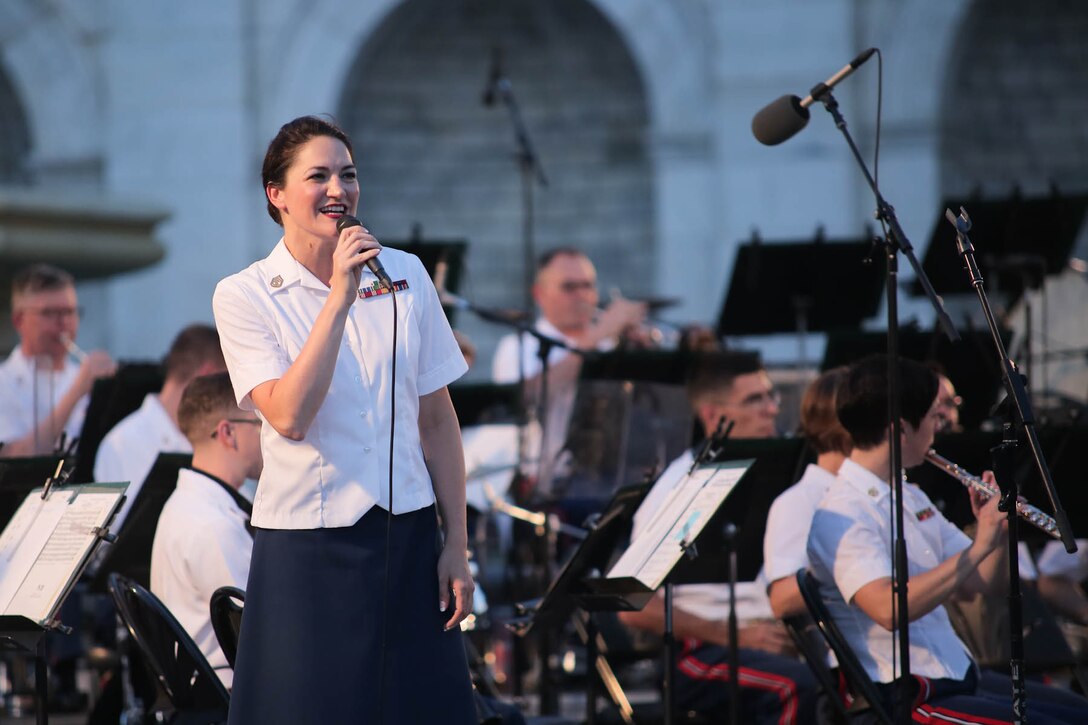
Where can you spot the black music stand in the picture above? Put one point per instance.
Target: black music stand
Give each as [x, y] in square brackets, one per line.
[1025, 238]
[112, 399]
[482, 403]
[20, 476]
[968, 363]
[65, 554]
[579, 581]
[579, 584]
[779, 463]
[678, 527]
[444, 261]
[801, 287]
[130, 555]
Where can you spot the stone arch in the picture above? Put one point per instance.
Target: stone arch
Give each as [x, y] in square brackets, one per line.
[1015, 101]
[14, 134]
[671, 49]
[430, 153]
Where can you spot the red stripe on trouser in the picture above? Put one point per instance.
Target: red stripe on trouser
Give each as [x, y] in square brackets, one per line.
[935, 714]
[784, 687]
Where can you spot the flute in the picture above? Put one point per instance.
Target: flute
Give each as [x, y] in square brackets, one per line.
[73, 349]
[1026, 511]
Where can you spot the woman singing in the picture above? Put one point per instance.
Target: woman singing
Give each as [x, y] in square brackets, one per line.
[351, 613]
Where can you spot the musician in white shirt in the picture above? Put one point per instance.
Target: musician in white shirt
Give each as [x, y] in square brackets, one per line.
[129, 449]
[44, 391]
[203, 541]
[849, 549]
[565, 290]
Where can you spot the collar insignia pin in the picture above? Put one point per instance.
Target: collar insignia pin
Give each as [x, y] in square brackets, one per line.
[277, 281]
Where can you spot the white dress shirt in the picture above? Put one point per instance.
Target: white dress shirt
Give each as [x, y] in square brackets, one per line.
[786, 536]
[708, 601]
[340, 470]
[28, 398]
[505, 370]
[129, 450]
[504, 365]
[850, 545]
[201, 544]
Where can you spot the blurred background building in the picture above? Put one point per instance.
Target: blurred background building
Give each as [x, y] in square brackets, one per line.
[131, 136]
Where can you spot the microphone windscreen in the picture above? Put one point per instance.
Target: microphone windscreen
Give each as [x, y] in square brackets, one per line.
[779, 120]
[347, 221]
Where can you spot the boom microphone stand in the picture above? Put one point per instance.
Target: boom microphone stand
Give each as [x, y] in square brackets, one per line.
[895, 242]
[528, 163]
[1020, 417]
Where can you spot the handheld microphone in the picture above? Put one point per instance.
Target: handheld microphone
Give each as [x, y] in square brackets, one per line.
[493, 77]
[373, 264]
[783, 118]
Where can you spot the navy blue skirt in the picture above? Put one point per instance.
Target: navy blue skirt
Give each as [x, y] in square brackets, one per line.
[311, 645]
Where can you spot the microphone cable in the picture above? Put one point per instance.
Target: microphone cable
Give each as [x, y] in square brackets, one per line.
[388, 515]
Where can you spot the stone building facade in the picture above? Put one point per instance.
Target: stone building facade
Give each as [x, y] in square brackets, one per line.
[639, 111]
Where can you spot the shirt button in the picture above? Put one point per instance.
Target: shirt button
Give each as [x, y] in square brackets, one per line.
[367, 449]
[362, 413]
[358, 379]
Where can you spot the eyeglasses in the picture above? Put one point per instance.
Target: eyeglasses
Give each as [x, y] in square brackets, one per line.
[572, 286]
[54, 314]
[764, 398]
[251, 421]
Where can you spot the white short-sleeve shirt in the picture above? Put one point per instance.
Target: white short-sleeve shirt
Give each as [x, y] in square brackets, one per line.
[708, 601]
[29, 398]
[129, 450]
[340, 470]
[1055, 561]
[504, 364]
[786, 536]
[849, 546]
[505, 370]
[201, 544]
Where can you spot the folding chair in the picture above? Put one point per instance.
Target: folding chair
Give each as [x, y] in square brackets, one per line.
[195, 694]
[866, 698]
[226, 615]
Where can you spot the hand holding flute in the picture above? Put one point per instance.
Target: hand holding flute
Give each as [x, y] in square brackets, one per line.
[987, 488]
[92, 365]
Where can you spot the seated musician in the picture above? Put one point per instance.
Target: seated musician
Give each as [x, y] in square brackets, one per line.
[775, 686]
[129, 449]
[790, 517]
[1061, 579]
[203, 540]
[565, 290]
[850, 541]
[44, 392]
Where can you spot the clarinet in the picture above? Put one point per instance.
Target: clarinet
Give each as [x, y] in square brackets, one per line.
[1026, 511]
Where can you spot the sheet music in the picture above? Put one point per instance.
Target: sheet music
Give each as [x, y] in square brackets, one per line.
[45, 544]
[23, 539]
[681, 518]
